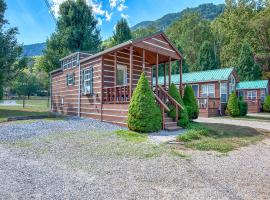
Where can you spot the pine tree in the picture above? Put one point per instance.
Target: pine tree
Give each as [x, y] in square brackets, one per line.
[76, 30]
[183, 114]
[207, 58]
[191, 102]
[144, 114]
[233, 107]
[122, 32]
[246, 67]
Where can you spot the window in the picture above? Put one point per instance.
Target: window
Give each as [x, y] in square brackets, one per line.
[251, 94]
[62, 101]
[223, 92]
[208, 90]
[69, 62]
[231, 84]
[121, 75]
[70, 79]
[262, 95]
[88, 81]
[195, 89]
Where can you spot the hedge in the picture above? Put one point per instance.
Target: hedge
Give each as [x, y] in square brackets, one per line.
[191, 102]
[266, 105]
[232, 106]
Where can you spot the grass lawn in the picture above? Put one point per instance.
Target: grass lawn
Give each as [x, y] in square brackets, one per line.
[12, 111]
[220, 137]
[250, 118]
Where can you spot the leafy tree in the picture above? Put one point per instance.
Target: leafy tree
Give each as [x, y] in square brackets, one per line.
[144, 114]
[260, 24]
[143, 32]
[266, 105]
[76, 30]
[122, 32]
[188, 34]
[191, 103]
[246, 67]
[231, 29]
[207, 57]
[232, 107]
[183, 114]
[11, 61]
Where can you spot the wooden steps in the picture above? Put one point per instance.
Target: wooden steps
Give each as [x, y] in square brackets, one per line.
[170, 124]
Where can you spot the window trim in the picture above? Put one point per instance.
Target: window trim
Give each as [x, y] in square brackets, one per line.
[226, 93]
[90, 79]
[70, 77]
[207, 89]
[198, 91]
[251, 91]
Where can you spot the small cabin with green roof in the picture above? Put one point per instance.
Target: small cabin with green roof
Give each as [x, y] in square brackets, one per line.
[254, 93]
[212, 88]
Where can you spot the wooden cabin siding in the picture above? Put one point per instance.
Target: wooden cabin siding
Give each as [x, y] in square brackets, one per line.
[90, 105]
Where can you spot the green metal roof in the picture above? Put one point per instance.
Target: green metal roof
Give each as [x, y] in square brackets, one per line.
[259, 84]
[200, 76]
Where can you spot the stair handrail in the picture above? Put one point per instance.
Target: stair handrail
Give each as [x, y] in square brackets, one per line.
[163, 107]
[170, 97]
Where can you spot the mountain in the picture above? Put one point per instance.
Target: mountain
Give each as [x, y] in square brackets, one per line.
[33, 49]
[208, 11]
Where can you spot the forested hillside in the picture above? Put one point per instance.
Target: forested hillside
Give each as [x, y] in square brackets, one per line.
[33, 49]
[207, 11]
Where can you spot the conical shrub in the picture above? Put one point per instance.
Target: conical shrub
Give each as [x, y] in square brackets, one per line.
[183, 119]
[191, 102]
[232, 107]
[266, 105]
[144, 115]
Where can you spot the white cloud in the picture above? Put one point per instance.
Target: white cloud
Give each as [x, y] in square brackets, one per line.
[99, 21]
[113, 3]
[125, 16]
[97, 8]
[121, 7]
[108, 16]
[55, 6]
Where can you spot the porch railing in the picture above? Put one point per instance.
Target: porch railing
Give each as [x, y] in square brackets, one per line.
[208, 102]
[117, 94]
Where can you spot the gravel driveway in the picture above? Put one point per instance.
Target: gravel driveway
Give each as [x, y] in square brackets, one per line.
[81, 159]
[238, 122]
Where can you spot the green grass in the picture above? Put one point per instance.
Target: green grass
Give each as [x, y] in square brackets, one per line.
[15, 111]
[220, 137]
[131, 136]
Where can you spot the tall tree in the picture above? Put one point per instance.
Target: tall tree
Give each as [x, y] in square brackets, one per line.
[246, 68]
[76, 30]
[143, 32]
[188, 34]
[11, 61]
[207, 59]
[122, 32]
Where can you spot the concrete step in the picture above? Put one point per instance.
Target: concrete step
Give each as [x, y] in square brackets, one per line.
[173, 128]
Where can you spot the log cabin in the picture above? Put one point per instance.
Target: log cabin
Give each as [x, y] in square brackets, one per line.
[211, 88]
[100, 86]
[254, 93]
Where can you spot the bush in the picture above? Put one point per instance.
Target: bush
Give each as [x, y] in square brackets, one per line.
[191, 102]
[266, 105]
[182, 113]
[144, 114]
[243, 107]
[195, 131]
[232, 107]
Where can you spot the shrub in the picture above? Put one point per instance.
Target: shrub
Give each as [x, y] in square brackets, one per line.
[243, 107]
[232, 107]
[266, 105]
[191, 102]
[183, 114]
[144, 114]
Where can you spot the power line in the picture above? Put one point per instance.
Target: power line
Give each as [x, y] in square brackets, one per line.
[50, 10]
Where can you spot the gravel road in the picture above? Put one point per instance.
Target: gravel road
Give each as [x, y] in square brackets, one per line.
[86, 166]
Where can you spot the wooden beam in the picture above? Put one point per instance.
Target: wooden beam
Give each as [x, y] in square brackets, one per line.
[102, 86]
[143, 61]
[180, 73]
[170, 66]
[165, 76]
[130, 71]
[157, 73]
[115, 72]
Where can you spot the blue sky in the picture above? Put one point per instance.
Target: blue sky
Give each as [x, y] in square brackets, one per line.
[36, 24]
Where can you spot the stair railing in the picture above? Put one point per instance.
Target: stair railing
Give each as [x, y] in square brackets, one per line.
[163, 107]
[166, 98]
